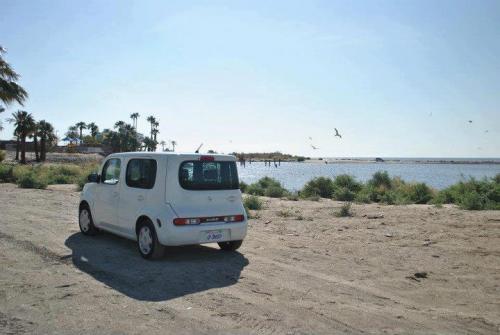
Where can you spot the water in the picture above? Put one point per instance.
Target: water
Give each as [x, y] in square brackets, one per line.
[294, 175]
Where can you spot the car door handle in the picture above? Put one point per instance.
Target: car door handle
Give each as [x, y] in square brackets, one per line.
[140, 197]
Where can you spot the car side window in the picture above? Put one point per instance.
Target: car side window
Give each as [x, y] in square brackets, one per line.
[111, 171]
[141, 173]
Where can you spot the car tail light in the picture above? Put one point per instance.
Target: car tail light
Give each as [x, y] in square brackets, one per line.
[234, 218]
[195, 221]
[207, 158]
[187, 221]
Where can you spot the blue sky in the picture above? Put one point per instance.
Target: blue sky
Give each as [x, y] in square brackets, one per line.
[397, 78]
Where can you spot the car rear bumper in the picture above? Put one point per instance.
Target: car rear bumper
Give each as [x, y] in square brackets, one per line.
[171, 235]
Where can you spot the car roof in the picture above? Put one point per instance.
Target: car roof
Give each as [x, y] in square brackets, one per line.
[170, 154]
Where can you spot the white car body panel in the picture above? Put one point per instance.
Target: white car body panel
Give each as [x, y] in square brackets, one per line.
[167, 200]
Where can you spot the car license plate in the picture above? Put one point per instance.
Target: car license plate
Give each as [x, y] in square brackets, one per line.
[214, 235]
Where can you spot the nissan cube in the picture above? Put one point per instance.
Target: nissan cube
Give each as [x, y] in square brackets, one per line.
[165, 199]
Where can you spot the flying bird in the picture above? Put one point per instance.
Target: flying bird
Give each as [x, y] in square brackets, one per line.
[337, 133]
[486, 131]
[310, 138]
[315, 148]
[470, 121]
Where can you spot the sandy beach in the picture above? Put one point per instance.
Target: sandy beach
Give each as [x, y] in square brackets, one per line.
[300, 270]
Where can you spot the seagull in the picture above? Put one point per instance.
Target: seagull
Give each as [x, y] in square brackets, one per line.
[486, 131]
[310, 138]
[315, 148]
[470, 121]
[337, 133]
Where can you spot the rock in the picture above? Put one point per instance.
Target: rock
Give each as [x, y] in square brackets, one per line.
[375, 216]
[420, 275]
[388, 235]
[268, 222]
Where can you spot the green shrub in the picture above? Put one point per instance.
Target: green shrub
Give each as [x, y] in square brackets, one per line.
[2, 155]
[82, 180]
[381, 179]
[275, 191]
[348, 182]
[496, 179]
[252, 202]
[344, 211]
[473, 201]
[363, 196]
[292, 197]
[388, 197]
[320, 186]
[266, 182]
[255, 189]
[243, 186]
[7, 173]
[472, 194]
[344, 194]
[493, 193]
[32, 180]
[419, 193]
[267, 186]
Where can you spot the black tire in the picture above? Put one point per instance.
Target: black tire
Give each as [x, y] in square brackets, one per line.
[230, 245]
[86, 222]
[155, 249]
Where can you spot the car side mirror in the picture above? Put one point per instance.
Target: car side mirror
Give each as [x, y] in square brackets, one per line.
[93, 178]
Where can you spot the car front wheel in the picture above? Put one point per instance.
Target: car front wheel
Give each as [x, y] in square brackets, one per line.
[86, 222]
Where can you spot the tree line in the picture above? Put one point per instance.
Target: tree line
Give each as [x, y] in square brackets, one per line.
[123, 137]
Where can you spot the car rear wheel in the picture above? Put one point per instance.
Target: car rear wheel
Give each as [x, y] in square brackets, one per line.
[86, 222]
[230, 245]
[147, 242]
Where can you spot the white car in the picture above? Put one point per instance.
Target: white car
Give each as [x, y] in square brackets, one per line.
[165, 199]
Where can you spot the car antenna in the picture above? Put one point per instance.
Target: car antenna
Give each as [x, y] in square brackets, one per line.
[198, 150]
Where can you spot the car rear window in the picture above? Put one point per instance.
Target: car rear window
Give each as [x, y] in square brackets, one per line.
[207, 175]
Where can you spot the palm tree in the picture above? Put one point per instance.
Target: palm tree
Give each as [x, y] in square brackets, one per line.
[119, 124]
[173, 145]
[23, 122]
[81, 126]
[163, 143]
[10, 91]
[94, 129]
[149, 144]
[151, 119]
[72, 133]
[134, 117]
[34, 135]
[47, 135]
[1, 111]
[155, 132]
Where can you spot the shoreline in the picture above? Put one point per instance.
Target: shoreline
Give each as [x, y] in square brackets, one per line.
[457, 161]
[401, 161]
